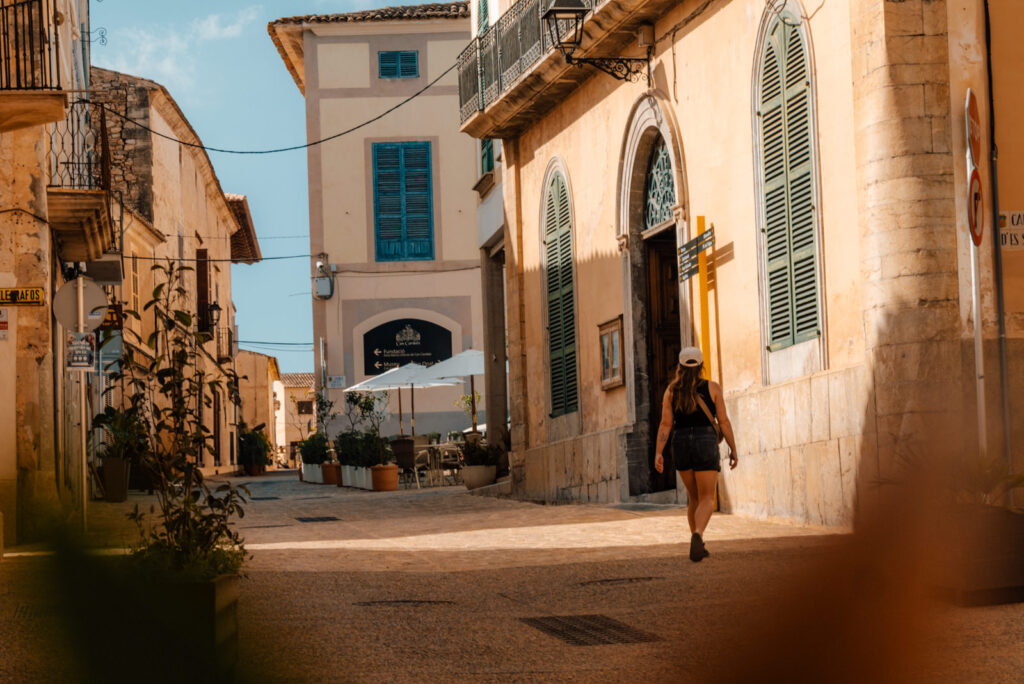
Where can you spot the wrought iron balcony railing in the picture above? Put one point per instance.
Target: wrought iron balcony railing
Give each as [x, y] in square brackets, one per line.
[79, 149]
[29, 49]
[494, 62]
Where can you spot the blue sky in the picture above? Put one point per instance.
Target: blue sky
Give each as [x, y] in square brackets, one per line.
[218, 62]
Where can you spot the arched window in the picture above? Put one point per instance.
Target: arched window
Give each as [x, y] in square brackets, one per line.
[787, 168]
[560, 297]
[659, 188]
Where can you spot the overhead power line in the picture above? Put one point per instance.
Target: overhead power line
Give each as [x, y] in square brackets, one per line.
[190, 259]
[277, 149]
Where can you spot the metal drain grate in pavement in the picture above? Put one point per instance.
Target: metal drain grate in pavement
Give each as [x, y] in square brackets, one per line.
[264, 498]
[317, 518]
[264, 527]
[613, 581]
[589, 630]
[404, 602]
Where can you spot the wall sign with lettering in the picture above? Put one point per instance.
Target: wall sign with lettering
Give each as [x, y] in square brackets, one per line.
[402, 341]
[1011, 230]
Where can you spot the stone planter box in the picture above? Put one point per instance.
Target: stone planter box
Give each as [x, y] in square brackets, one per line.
[311, 472]
[348, 475]
[988, 565]
[363, 478]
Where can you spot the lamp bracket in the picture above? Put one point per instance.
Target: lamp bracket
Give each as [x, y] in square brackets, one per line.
[622, 68]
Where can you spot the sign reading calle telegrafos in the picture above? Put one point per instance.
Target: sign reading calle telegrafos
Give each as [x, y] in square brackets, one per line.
[402, 341]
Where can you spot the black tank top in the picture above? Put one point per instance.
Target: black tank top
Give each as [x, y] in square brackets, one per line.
[698, 418]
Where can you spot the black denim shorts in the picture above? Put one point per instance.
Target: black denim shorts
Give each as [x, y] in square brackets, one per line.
[695, 448]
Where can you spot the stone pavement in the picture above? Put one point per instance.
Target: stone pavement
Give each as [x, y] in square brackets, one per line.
[435, 585]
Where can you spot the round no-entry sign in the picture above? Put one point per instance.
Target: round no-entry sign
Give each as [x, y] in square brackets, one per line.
[975, 208]
[973, 122]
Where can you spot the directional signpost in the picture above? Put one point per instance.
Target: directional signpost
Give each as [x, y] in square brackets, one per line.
[693, 260]
[975, 211]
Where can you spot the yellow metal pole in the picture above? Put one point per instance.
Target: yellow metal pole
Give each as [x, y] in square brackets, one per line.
[705, 322]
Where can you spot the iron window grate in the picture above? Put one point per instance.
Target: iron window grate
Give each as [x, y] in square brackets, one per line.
[317, 518]
[589, 630]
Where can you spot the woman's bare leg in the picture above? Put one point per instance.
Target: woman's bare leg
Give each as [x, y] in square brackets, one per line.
[705, 499]
[691, 490]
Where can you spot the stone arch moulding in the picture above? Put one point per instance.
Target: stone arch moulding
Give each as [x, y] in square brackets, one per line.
[651, 117]
[571, 424]
[391, 314]
[773, 9]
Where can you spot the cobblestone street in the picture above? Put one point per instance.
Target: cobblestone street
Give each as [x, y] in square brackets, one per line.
[437, 585]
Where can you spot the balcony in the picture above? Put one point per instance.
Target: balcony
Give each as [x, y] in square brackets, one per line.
[511, 75]
[30, 83]
[79, 196]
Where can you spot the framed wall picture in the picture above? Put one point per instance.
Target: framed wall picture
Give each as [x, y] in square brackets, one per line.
[610, 335]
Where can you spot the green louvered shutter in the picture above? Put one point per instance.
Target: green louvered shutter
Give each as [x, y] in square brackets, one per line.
[403, 201]
[560, 299]
[387, 200]
[788, 187]
[419, 228]
[800, 175]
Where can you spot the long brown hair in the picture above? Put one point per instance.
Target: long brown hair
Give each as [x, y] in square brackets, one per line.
[684, 387]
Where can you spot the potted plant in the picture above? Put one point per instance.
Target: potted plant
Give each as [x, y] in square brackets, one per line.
[384, 474]
[479, 463]
[468, 402]
[253, 449]
[188, 562]
[347, 446]
[313, 451]
[124, 443]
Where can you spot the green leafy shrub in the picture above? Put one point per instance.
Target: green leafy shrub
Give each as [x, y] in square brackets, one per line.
[253, 446]
[474, 453]
[125, 433]
[315, 449]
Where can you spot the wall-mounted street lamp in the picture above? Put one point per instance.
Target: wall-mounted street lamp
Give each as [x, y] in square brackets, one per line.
[213, 314]
[564, 21]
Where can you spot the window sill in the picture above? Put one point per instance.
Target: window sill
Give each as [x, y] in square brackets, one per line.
[484, 184]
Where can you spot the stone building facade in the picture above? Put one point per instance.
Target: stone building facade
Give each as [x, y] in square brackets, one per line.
[824, 146]
[395, 265]
[47, 225]
[175, 208]
[258, 402]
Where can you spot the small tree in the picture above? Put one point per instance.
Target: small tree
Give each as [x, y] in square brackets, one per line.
[194, 537]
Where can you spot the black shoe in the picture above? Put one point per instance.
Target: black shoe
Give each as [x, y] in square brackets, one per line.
[697, 550]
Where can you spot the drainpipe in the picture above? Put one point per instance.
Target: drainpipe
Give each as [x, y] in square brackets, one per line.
[997, 254]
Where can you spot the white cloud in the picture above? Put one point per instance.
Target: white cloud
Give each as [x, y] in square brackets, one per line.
[169, 56]
[214, 27]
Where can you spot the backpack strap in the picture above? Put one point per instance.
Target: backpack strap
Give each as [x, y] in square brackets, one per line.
[713, 419]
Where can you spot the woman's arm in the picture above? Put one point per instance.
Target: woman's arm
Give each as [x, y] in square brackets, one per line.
[723, 420]
[664, 430]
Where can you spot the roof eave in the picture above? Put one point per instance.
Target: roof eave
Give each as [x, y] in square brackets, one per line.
[287, 39]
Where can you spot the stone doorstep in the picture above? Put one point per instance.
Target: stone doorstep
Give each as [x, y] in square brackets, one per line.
[503, 487]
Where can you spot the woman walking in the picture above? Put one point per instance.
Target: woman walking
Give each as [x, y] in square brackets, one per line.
[690, 409]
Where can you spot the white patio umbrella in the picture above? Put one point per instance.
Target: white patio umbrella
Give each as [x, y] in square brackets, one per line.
[468, 363]
[409, 375]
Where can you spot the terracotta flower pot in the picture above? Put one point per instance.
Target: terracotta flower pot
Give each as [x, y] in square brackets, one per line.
[332, 473]
[385, 477]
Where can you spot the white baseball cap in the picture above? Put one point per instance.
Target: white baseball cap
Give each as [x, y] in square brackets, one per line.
[690, 356]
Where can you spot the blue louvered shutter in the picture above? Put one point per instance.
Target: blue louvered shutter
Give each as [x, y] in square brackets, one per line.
[419, 219]
[560, 299]
[387, 64]
[788, 189]
[398, 64]
[403, 201]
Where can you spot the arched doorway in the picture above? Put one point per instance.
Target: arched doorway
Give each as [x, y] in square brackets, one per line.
[651, 220]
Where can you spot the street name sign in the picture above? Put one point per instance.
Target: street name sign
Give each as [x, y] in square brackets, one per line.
[21, 296]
